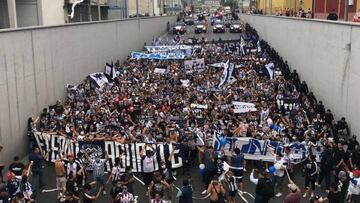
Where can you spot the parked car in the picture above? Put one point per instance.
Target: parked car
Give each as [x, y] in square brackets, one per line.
[200, 28]
[179, 28]
[227, 23]
[219, 27]
[236, 27]
[188, 20]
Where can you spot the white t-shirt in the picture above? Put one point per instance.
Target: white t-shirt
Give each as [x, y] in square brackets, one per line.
[354, 185]
[148, 164]
[279, 172]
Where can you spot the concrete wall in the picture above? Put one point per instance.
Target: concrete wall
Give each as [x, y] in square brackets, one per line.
[320, 52]
[37, 63]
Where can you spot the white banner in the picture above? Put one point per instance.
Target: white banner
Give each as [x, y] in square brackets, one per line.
[243, 107]
[99, 78]
[157, 56]
[196, 65]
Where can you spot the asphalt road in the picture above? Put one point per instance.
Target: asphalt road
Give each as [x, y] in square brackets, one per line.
[50, 197]
[197, 180]
[209, 35]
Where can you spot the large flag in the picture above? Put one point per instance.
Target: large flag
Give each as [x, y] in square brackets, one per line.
[99, 78]
[225, 74]
[110, 71]
[231, 69]
[270, 68]
[258, 46]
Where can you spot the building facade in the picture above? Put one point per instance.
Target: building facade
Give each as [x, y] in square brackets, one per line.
[321, 8]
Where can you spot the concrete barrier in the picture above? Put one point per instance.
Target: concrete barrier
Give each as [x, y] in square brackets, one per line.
[326, 55]
[36, 64]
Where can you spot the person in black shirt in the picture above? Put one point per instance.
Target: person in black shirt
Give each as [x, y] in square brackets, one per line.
[116, 189]
[264, 186]
[128, 179]
[4, 193]
[311, 172]
[334, 195]
[354, 159]
[352, 144]
[186, 191]
[17, 167]
[329, 117]
[340, 157]
[38, 166]
[87, 196]
[326, 165]
[332, 15]
[71, 197]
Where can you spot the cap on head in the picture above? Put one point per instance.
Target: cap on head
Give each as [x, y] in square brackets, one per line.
[292, 187]
[356, 173]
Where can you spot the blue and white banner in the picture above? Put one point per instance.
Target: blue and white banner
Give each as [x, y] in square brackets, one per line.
[158, 56]
[99, 78]
[195, 65]
[254, 149]
[167, 48]
[129, 154]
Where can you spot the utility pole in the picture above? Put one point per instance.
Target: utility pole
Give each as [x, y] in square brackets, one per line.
[313, 9]
[153, 7]
[346, 12]
[89, 11]
[137, 8]
[99, 10]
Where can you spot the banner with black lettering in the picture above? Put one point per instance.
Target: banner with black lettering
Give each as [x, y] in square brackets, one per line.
[129, 153]
[287, 104]
[196, 65]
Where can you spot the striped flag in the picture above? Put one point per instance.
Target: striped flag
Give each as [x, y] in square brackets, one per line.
[225, 74]
[258, 46]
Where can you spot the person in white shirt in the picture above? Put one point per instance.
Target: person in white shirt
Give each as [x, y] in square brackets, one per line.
[279, 174]
[125, 196]
[147, 156]
[353, 194]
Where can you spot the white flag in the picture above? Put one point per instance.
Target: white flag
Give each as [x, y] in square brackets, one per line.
[224, 75]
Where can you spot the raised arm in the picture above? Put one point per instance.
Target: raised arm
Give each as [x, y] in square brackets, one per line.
[253, 179]
[270, 150]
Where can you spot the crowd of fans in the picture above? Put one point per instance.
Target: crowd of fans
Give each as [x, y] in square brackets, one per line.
[142, 106]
